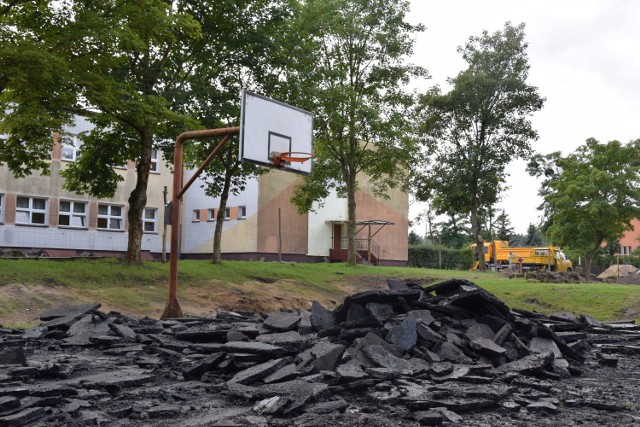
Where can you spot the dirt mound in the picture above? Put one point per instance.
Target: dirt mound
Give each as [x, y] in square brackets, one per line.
[630, 279]
[556, 277]
[618, 271]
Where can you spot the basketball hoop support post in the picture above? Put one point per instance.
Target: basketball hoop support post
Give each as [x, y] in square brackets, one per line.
[173, 310]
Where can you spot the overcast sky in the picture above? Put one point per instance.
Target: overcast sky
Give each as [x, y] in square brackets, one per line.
[584, 57]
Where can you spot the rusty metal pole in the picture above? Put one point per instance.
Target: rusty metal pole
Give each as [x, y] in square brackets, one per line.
[173, 309]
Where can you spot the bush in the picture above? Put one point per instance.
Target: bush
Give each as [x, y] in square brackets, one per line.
[427, 256]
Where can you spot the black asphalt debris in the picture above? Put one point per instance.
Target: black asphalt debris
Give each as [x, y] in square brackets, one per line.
[450, 353]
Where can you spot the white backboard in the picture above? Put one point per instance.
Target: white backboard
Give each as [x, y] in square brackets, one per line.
[268, 126]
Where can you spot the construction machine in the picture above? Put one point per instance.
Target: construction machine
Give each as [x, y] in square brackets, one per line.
[498, 255]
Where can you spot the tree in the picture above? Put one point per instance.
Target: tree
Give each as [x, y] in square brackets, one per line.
[259, 57]
[414, 238]
[505, 230]
[128, 67]
[471, 133]
[454, 232]
[517, 240]
[34, 86]
[533, 237]
[432, 232]
[593, 197]
[352, 73]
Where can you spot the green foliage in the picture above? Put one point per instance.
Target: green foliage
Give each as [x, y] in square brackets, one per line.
[34, 86]
[504, 229]
[141, 71]
[592, 196]
[351, 73]
[533, 237]
[414, 238]
[518, 240]
[471, 133]
[424, 256]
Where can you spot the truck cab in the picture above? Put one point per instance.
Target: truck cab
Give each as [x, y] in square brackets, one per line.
[563, 264]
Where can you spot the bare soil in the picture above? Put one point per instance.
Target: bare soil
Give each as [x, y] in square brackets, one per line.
[574, 277]
[24, 303]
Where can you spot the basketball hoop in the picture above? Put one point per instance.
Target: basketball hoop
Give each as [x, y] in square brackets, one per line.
[282, 159]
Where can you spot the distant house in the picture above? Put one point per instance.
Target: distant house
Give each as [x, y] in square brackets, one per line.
[38, 217]
[629, 242]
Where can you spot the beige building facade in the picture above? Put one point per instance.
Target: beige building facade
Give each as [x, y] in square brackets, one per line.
[38, 217]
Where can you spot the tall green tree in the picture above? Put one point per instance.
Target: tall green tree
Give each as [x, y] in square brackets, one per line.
[504, 229]
[472, 132]
[454, 232]
[135, 69]
[35, 92]
[592, 197]
[257, 32]
[352, 75]
[415, 239]
[533, 237]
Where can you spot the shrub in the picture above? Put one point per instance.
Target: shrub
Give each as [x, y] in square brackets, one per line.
[428, 256]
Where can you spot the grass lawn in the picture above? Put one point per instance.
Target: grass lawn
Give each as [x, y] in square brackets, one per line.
[30, 286]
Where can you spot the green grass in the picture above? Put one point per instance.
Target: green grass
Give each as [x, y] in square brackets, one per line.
[137, 287]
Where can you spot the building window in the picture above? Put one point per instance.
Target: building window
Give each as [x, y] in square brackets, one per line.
[227, 214]
[196, 215]
[71, 145]
[31, 210]
[211, 215]
[110, 217]
[155, 160]
[1, 209]
[242, 212]
[72, 214]
[149, 220]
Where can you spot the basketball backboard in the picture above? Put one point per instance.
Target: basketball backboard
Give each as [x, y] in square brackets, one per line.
[269, 127]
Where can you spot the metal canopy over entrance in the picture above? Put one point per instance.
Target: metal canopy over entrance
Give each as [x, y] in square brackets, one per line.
[373, 226]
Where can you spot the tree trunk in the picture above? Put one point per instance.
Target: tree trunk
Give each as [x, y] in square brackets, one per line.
[217, 236]
[351, 221]
[475, 231]
[587, 263]
[138, 200]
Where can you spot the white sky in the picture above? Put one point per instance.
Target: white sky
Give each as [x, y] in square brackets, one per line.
[584, 57]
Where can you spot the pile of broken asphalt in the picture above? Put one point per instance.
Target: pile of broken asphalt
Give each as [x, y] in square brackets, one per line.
[445, 354]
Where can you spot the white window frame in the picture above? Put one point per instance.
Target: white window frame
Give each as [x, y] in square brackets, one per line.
[73, 214]
[146, 220]
[31, 210]
[1, 208]
[73, 143]
[109, 216]
[155, 160]
[227, 214]
[211, 215]
[242, 212]
[196, 215]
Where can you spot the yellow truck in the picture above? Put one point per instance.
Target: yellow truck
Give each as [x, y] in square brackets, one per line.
[499, 255]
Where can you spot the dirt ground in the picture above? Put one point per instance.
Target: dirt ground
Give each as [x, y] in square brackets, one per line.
[26, 302]
[573, 277]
